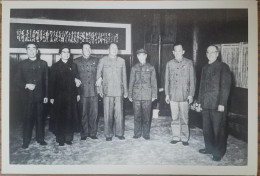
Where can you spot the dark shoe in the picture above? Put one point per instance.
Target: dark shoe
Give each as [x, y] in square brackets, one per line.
[204, 151]
[83, 138]
[93, 137]
[42, 143]
[61, 144]
[25, 146]
[147, 138]
[108, 139]
[121, 137]
[135, 137]
[174, 142]
[216, 158]
[68, 143]
[185, 143]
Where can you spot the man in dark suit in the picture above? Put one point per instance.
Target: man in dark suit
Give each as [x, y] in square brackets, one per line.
[142, 92]
[87, 68]
[32, 79]
[214, 90]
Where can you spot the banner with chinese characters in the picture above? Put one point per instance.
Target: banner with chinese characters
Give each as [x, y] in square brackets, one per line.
[52, 34]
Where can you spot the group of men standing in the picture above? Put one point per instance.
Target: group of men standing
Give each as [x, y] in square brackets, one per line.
[107, 77]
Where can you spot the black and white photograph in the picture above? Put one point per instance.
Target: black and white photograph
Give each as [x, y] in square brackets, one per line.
[129, 87]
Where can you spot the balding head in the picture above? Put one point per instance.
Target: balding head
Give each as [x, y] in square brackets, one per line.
[212, 53]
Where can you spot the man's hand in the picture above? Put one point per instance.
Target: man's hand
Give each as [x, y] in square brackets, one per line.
[198, 107]
[161, 89]
[45, 100]
[167, 99]
[221, 108]
[78, 82]
[51, 101]
[131, 99]
[153, 99]
[30, 86]
[101, 95]
[190, 99]
[98, 82]
[78, 98]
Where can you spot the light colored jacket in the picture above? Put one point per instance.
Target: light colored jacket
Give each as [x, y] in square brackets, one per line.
[180, 79]
[113, 73]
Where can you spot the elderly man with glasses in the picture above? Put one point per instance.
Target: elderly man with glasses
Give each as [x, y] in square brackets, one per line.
[212, 100]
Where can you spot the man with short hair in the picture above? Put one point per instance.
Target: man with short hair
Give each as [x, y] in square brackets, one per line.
[111, 74]
[87, 68]
[142, 92]
[214, 90]
[179, 90]
[32, 79]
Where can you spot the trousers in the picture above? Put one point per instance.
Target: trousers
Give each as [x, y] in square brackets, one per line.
[180, 121]
[142, 117]
[214, 131]
[33, 114]
[113, 116]
[88, 113]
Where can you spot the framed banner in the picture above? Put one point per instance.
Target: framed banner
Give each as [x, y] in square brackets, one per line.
[52, 34]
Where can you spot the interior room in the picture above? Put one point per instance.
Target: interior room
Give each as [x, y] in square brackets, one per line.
[155, 30]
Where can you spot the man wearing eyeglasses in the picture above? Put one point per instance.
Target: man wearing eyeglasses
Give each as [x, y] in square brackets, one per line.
[214, 90]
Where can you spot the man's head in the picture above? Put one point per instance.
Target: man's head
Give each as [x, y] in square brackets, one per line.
[178, 51]
[141, 55]
[86, 49]
[32, 50]
[64, 53]
[212, 53]
[113, 49]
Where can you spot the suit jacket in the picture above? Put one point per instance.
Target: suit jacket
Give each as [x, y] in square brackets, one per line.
[180, 79]
[87, 69]
[143, 83]
[215, 85]
[33, 72]
[113, 73]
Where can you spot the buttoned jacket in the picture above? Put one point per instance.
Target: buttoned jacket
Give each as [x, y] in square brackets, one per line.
[215, 85]
[33, 72]
[87, 69]
[180, 79]
[113, 73]
[143, 82]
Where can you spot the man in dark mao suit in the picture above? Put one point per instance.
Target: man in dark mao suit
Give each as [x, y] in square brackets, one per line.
[142, 91]
[32, 79]
[111, 75]
[87, 68]
[212, 100]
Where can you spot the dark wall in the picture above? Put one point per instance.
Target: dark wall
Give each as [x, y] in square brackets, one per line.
[149, 26]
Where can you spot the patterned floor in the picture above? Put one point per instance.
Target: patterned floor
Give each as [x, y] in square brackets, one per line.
[158, 150]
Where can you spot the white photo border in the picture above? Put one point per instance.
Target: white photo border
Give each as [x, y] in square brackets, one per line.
[250, 169]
